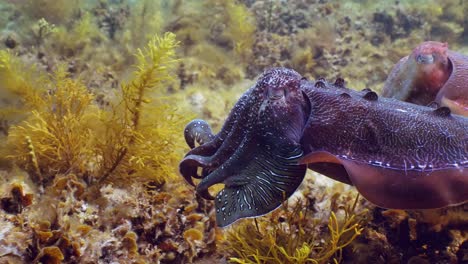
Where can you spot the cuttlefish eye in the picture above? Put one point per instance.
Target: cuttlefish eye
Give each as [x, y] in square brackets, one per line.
[276, 94]
[425, 58]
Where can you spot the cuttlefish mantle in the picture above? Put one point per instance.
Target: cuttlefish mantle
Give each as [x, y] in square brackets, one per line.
[397, 154]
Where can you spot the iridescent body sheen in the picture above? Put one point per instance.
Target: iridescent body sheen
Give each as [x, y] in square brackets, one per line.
[397, 154]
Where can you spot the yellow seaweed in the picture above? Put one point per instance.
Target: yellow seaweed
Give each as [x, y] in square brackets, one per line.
[142, 134]
[137, 137]
[292, 236]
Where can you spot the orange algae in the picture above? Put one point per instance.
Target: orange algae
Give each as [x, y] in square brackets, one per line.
[193, 234]
[52, 255]
[18, 200]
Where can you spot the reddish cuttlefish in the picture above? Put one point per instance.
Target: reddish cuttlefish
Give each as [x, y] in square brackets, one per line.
[431, 73]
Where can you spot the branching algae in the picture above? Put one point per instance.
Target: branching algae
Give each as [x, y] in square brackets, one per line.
[146, 141]
[293, 236]
[68, 133]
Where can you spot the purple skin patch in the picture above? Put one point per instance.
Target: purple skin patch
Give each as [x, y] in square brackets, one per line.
[397, 154]
[431, 73]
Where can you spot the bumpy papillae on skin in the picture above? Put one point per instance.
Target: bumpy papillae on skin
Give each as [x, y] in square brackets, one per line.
[398, 155]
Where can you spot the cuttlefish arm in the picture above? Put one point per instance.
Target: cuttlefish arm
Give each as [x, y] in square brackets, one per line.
[198, 132]
[398, 155]
[256, 180]
[259, 168]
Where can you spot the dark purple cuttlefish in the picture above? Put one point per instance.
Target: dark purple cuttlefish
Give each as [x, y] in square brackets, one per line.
[397, 154]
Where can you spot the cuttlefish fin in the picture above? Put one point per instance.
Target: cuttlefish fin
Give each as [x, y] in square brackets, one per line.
[326, 164]
[410, 189]
[396, 188]
[267, 179]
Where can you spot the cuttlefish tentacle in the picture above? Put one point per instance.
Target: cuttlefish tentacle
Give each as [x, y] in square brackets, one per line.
[210, 154]
[198, 131]
[239, 121]
[188, 166]
[230, 167]
[224, 151]
[210, 147]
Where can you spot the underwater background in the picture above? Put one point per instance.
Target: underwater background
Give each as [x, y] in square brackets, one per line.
[94, 97]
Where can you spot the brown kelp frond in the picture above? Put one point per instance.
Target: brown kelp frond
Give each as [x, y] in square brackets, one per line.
[292, 235]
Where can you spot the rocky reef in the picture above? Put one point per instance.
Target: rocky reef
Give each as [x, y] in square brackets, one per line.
[94, 96]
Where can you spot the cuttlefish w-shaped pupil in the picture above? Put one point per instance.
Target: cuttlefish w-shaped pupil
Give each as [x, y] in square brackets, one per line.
[425, 58]
[276, 94]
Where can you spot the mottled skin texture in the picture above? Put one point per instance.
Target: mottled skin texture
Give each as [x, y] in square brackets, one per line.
[454, 93]
[258, 145]
[197, 131]
[430, 73]
[398, 155]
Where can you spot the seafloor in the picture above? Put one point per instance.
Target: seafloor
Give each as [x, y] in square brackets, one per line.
[94, 96]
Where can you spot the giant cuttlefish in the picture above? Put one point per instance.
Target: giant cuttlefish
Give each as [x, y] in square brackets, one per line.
[397, 154]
